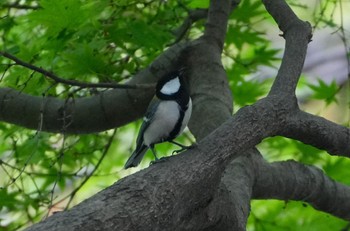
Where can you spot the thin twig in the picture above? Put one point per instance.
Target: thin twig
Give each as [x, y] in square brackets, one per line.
[75, 191]
[108, 145]
[73, 82]
[19, 6]
[22, 170]
[58, 176]
[193, 16]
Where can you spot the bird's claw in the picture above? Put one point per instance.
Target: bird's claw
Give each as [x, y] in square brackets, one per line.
[184, 148]
[157, 161]
[177, 151]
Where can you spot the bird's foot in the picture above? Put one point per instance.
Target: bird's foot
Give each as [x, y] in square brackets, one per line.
[157, 161]
[184, 148]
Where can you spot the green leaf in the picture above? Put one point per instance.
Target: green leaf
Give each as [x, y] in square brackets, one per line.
[278, 215]
[198, 4]
[248, 92]
[325, 91]
[32, 150]
[141, 33]
[6, 23]
[8, 199]
[248, 10]
[84, 60]
[334, 166]
[239, 35]
[308, 154]
[59, 17]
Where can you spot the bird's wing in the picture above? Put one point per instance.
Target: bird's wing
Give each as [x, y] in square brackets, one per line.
[141, 148]
[147, 119]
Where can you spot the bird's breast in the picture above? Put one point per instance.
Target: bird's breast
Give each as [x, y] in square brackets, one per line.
[163, 122]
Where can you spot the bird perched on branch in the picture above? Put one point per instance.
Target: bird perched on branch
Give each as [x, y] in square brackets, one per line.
[166, 117]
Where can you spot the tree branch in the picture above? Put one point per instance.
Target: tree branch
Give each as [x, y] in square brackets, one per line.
[251, 177]
[208, 80]
[16, 5]
[300, 125]
[193, 16]
[290, 180]
[297, 34]
[76, 83]
[239, 180]
[318, 132]
[216, 26]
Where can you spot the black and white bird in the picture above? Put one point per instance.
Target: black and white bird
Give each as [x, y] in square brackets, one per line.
[166, 117]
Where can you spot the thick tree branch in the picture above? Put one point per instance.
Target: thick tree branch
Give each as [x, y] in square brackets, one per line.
[318, 132]
[216, 25]
[208, 80]
[251, 177]
[297, 34]
[290, 180]
[239, 180]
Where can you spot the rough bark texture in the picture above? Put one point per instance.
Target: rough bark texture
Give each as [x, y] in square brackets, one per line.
[208, 187]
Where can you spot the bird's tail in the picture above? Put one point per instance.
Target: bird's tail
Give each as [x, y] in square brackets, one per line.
[136, 157]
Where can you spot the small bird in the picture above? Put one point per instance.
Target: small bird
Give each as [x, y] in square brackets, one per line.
[166, 117]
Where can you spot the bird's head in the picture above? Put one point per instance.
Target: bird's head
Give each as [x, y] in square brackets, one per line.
[172, 86]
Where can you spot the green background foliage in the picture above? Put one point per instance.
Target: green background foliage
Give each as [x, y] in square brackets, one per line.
[109, 41]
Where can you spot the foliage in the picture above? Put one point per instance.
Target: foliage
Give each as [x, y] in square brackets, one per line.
[278, 215]
[325, 92]
[109, 41]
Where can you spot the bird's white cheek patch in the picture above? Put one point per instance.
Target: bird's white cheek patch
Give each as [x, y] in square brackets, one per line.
[171, 87]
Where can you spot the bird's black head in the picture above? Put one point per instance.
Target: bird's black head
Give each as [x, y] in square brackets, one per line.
[173, 87]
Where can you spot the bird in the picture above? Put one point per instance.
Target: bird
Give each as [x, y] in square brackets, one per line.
[166, 116]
